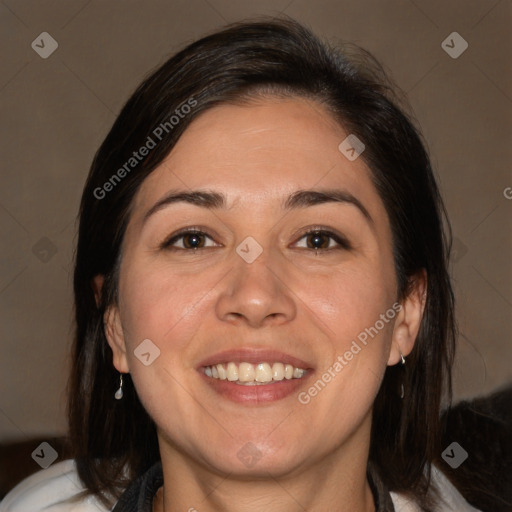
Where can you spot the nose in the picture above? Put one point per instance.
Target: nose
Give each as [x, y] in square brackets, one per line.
[256, 294]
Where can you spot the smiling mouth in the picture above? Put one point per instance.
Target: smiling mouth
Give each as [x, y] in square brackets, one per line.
[247, 374]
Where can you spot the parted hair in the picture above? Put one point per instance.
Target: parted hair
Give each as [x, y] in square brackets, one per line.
[114, 441]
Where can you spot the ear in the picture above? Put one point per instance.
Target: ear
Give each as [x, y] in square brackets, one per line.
[113, 328]
[115, 337]
[408, 320]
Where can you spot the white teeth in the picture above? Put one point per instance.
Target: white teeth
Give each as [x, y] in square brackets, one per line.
[278, 371]
[246, 372]
[232, 372]
[250, 375]
[263, 373]
[222, 372]
[298, 373]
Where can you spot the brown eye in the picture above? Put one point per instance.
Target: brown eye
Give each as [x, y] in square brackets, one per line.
[193, 240]
[317, 240]
[190, 240]
[322, 240]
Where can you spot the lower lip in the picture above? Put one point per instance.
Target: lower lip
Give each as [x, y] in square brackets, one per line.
[261, 393]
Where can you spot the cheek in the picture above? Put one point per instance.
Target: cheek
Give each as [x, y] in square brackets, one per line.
[155, 302]
[355, 308]
[354, 311]
[351, 301]
[167, 310]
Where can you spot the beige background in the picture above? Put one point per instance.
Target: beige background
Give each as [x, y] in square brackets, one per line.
[56, 111]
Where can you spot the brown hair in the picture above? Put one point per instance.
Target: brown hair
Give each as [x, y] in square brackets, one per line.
[115, 441]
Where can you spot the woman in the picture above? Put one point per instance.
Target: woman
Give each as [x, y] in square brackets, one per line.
[264, 314]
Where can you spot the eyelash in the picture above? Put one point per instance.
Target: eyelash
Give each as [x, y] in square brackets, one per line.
[342, 242]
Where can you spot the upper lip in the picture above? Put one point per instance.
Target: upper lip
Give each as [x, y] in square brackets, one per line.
[254, 356]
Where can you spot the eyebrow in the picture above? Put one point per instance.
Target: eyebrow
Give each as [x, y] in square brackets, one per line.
[297, 200]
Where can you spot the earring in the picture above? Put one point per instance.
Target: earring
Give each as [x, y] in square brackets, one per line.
[402, 359]
[119, 393]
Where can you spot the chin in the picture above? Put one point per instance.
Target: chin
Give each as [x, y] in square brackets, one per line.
[257, 459]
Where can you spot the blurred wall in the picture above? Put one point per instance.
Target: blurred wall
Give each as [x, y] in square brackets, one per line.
[55, 111]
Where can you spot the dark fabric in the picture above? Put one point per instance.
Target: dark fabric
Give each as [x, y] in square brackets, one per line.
[138, 497]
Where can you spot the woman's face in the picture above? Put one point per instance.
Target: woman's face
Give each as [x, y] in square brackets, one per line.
[255, 296]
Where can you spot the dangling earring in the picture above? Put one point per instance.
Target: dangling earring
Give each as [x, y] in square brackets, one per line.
[119, 393]
[402, 360]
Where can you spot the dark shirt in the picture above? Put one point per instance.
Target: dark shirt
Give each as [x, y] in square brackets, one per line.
[139, 496]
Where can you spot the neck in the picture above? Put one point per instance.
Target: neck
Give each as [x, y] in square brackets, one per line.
[336, 482]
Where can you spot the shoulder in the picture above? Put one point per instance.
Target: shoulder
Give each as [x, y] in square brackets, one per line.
[50, 490]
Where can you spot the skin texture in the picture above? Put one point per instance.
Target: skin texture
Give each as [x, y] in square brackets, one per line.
[312, 306]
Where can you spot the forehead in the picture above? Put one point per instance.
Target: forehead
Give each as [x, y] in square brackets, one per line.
[260, 152]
